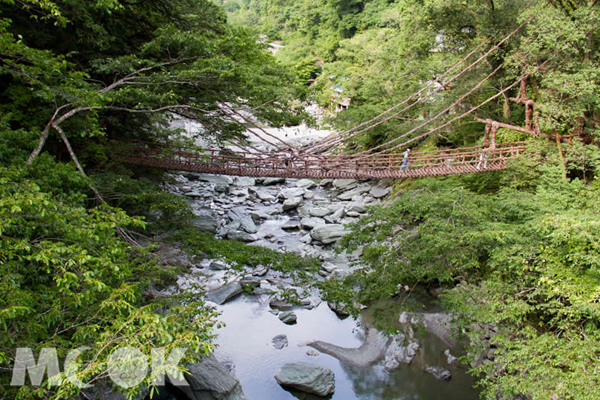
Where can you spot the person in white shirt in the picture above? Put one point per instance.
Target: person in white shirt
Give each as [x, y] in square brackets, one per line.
[404, 166]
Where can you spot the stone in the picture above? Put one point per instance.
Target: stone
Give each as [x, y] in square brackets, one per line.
[287, 317]
[338, 308]
[217, 265]
[239, 214]
[356, 207]
[250, 283]
[306, 184]
[270, 181]
[310, 223]
[263, 195]
[280, 304]
[240, 236]
[239, 191]
[319, 211]
[352, 214]
[292, 203]
[222, 179]
[222, 188]
[439, 373]
[280, 341]
[378, 192]
[210, 379]
[329, 267]
[292, 192]
[345, 184]
[309, 195]
[312, 353]
[354, 193]
[307, 377]
[206, 220]
[327, 234]
[244, 181]
[336, 216]
[326, 182]
[260, 271]
[224, 294]
[450, 357]
[259, 216]
[291, 225]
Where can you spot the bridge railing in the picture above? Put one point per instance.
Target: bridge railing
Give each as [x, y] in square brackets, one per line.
[279, 164]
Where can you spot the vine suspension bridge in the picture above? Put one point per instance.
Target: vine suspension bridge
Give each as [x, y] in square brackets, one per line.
[324, 159]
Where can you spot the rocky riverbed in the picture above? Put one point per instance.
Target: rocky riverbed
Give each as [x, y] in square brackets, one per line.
[264, 331]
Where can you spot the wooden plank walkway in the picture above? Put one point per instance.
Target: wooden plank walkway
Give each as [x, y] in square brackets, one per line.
[421, 164]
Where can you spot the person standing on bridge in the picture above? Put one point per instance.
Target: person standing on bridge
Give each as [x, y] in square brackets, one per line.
[405, 155]
[483, 158]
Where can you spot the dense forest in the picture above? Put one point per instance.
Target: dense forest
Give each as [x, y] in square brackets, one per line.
[514, 252]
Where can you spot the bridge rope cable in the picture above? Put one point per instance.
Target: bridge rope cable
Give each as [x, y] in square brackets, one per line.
[517, 82]
[437, 116]
[338, 138]
[250, 122]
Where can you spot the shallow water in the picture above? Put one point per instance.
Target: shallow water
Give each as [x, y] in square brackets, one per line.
[245, 346]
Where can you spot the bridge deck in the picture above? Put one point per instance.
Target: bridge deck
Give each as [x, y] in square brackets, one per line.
[421, 164]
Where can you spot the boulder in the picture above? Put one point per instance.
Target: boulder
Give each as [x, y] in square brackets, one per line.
[239, 191]
[222, 179]
[244, 181]
[210, 380]
[328, 233]
[307, 377]
[292, 192]
[280, 304]
[250, 283]
[287, 317]
[326, 182]
[217, 265]
[320, 211]
[241, 236]
[221, 187]
[378, 192]
[356, 207]
[263, 195]
[224, 294]
[206, 220]
[291, 225]
[280, 341]
[350, 194]
[239, 214]
[338, 308]
[310, 223]
[345, 184]
[309, 195]
[260, 271]
[259, 216]
[306, 184]
[270, 181]
[292, 203]
[440, 373]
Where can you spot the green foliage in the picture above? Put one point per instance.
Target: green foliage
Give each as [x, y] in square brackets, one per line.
[67, 280]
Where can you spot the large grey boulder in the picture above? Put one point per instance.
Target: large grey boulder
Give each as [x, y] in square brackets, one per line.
[244, 181]
[219, 179]
[224, 294]
[263, 195]
[292, 192]
[270, 181]
[311, 223]
[356, 207]
[288, 317]
[378, 192]
[239, 214]
[328, 233]
[357, 191]
[292, 203]
[345, 184]
[280, 341]
[320, 211]
[307, 377]
[210, 380]
[306, 183]
[206, 220]
[240, 236]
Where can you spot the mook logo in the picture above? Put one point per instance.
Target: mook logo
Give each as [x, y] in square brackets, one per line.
[127, 367]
